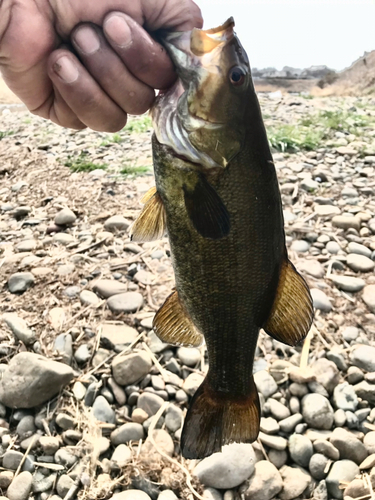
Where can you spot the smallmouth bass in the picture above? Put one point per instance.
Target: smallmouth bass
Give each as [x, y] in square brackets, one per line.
[217, 196]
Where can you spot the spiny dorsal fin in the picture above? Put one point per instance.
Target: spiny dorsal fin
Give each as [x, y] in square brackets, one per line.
[150, 224]
[206, 209]
[292, 311]
[173, 325]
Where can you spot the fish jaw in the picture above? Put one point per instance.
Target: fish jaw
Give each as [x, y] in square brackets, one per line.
[202, 117]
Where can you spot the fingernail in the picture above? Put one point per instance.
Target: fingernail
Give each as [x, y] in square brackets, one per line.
[118, 30]
[87, 40]
[66, 69]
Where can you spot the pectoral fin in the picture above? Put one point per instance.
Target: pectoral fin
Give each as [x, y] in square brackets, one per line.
[206, 209]
[292, 311]
[150, 224]
[173, 325]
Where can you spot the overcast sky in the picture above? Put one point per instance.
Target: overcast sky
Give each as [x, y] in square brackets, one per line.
[298, 33]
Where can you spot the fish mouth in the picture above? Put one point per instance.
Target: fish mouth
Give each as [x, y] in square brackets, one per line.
[190, 51]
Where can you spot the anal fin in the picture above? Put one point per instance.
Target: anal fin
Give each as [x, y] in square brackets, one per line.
[206, 209]
[173, 325]
[215, 419]
[292, 311]
[150, 224]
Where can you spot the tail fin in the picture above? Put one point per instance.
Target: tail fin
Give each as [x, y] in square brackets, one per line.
[216, 418]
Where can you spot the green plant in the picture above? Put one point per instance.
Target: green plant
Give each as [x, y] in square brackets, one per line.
[135, 170]
[138, 125]
[81, 163]
[290, 138]
[5, 134]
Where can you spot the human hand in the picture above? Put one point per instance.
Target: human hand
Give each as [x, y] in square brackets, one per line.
[118, 65]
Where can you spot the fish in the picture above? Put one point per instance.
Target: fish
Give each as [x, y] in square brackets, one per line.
[218, 199]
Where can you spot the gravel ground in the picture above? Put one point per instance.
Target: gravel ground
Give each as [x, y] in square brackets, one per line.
[92, 403]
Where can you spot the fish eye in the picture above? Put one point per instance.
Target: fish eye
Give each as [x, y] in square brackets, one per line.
[237, 76]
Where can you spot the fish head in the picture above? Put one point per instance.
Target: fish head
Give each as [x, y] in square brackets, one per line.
[203, 116]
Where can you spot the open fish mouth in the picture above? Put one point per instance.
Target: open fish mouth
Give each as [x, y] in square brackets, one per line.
[191, 52]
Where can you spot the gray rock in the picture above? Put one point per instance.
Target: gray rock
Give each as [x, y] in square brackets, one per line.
[128, 302]
[63, 238]
[131, 495]
[42, 483]
[66, 269]
[300, 449]
[320, 492]
[289, 424]
[269, 425]
[119, 335]
[300, 246]
[63, 456]
[317, 411]
[72, 291]
[369, 442]
[265, 383]
[102, 410]
[277, 409]
[20, 487]
[19, 328]
[320, 300]
[116, 223]
[189, 356]
[344, 397]
[354, 247]
[349, 446]
[274, 442]
[26, 427]
[326, 448]
[312, 267]
[107, 288]
[144, 277]
[88, 298]
[82, 354]
[65, 421]
[342, 470]
[127, 432]
[64, 483]
[212, 494]
[350, 333]
[317, 466]
[150, 403]
[20, 282]
[131, 368]
[192, 382]
[295, 482]
[163, 441]
[26, 246]
[12, 459]
[360, 263]
[277, 457]
[333, 247]
[265, 483]
[326, 373]
[49, 444]
[309, 185]
[340, 418]
[64, 346]
[348, 283]
[122, 455]
[30, 380]
[173, 418]
[364, 357]
[346, 222]
[368, 297]
[227, 469]
[65, 217]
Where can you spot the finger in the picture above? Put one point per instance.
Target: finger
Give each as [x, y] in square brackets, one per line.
[109, 71]
[82, 93]
[142, 55]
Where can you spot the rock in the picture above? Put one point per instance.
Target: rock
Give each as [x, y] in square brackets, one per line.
[191, 383]
[312, 267]
[348, 283]
[317, 411]
[212, 494]
[354, 247]
[227, 469]
[173, 418]
[107, 288]
[144, 277]
[102, 410]
[49, 444]
[326, 210]
[64, 483]
[300, 449]
[369, 442]
[350, 333]
[295, 482]
[300, 246]
[366, 391]
[150, 403]
[65, 217]
[63, 238]
[122, 455]
[125, 302]
[6, 477]
[189, 356]
[167, 495]
[327, 449]
[358, 488]
[345, 222]
[127, 432]
[265, 383]
[26, 246]
[64, 346]
[289, 424]
[19, 328]
[277, 457]
[20, 282]
[326, 373]
[88, 298]
[274, 442]
[343, 470]
[82, 354]
[30, 380]
[350, 447]
[317, 466]
[309, 185]
[368, 297]
[269, 425]
[163, 441]
[344, 397]
[360, 263]
[119, 335]
[20, 487]
[320, 300]
[333, 247]
[116, 223]
[12, 459]
[277, 409]
[364, 357]
[131, 495]
[265, 483]
[131, 368]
